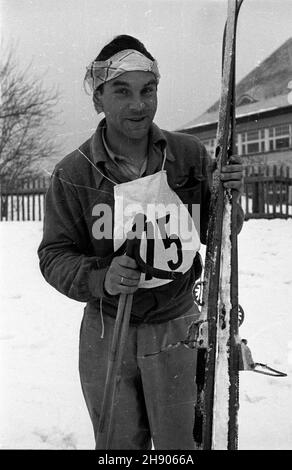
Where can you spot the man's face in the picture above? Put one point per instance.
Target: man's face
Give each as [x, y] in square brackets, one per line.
[129, 103]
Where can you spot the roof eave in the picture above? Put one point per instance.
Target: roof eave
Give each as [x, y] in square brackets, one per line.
[241, 118]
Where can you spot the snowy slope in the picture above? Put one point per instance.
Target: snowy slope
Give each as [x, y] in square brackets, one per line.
[265, 273]
[41, 404]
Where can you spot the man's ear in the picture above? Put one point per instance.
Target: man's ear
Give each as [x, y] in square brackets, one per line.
[98, 101]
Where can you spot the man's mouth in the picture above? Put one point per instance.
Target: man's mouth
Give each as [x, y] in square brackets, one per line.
[137, 119]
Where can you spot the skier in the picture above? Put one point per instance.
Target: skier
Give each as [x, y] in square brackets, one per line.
[129, 160]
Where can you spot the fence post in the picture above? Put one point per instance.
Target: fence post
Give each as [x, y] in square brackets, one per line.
[10, 193]
[261, 195]
[246, 186]
[274, 189]
[28, 199]
[17, 200]
[44, 196]
[287, 190]
[267, 194]
[258, 206]
[39, 198]
[280, 186]
[255, 201]
[22, 201]
[4, 202]
[0, 200]
[33, 198]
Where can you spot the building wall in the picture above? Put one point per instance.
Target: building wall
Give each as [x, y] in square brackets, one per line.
[265, 140]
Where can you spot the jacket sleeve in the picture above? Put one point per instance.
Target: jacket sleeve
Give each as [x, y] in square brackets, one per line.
[205, 193]
[64, 253]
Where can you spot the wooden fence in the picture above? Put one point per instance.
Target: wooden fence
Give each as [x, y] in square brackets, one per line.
[23, 199]
[267, 194]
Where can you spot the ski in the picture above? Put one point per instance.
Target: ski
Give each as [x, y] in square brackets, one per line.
[218, 342]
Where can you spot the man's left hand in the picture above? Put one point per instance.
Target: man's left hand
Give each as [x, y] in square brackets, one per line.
[232, 174]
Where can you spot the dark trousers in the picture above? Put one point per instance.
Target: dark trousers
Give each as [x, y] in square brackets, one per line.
[157, 390]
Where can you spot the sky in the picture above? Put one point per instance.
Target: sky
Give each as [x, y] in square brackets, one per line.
[60, 37]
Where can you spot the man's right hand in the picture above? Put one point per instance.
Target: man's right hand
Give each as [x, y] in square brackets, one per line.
[122, 277]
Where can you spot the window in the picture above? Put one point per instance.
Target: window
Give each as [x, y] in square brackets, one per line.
[282, 143]
[252, 141]
[265, 140]
[252, 135]
[282, 130]
[258, 140]
[244, 100]
[253, 148]
[280, 137]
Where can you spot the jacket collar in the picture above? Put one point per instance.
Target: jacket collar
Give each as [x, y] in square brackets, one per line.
[157, 141]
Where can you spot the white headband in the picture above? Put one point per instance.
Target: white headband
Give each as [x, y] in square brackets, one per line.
[129, 60]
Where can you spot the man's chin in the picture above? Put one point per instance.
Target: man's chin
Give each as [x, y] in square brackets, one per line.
[138, 132]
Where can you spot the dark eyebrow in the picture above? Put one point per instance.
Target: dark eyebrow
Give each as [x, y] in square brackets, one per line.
[151, 82]
[116, 83]
[119, 83]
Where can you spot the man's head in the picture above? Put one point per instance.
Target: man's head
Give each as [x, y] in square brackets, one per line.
[123, 79]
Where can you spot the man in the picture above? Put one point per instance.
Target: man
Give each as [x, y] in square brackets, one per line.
[130, 159]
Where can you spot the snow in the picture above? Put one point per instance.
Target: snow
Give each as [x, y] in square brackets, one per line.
[41, 403]
[265, 253]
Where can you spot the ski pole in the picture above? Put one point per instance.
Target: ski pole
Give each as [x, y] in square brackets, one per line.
[120, 335]
[114, 367]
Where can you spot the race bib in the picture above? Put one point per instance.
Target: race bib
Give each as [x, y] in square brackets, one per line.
[148, 208]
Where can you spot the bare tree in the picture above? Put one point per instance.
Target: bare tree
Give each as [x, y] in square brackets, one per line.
[27, 109]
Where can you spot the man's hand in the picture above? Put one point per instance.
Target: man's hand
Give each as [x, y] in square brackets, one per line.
[122, 276]
[232, 178]
[232, 174]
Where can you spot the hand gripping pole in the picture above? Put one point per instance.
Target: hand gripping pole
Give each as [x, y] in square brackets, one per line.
[105, 429]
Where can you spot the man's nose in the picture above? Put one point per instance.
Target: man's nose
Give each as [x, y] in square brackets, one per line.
[136, 104]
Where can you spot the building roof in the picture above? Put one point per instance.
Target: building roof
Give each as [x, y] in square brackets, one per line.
[263, 89]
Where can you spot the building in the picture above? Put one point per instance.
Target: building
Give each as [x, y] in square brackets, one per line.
[263, 113]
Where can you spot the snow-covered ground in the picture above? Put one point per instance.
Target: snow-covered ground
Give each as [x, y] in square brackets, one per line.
[41, 404]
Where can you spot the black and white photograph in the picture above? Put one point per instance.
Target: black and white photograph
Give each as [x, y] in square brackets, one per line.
[146, 225]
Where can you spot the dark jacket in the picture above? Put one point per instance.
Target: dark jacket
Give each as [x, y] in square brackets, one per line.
[71, 259]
